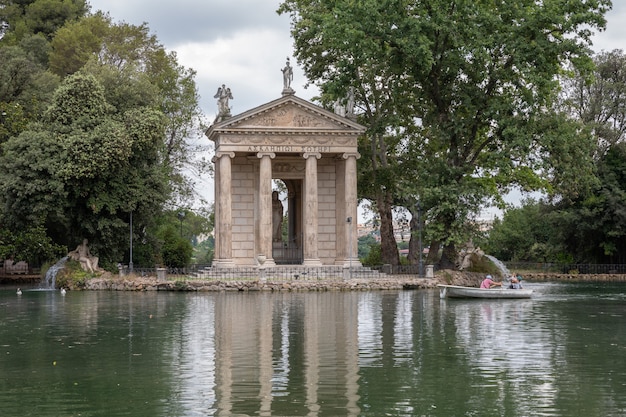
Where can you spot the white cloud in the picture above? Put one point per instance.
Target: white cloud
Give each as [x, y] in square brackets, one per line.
[248, 62]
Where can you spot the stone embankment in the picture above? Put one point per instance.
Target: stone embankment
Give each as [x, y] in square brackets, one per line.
[110, 282]
[130, 283]
[544, 277]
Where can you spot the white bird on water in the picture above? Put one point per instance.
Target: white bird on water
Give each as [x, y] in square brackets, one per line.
[19, 291]
[63, 291]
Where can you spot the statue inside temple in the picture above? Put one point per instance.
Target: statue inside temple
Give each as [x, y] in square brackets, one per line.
[277, 218]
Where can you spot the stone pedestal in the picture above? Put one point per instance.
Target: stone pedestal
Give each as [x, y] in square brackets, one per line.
[430, 271]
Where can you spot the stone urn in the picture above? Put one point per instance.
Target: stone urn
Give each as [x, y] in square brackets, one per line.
[261, 259]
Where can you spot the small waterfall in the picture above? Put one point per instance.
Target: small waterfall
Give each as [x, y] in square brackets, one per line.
[49, 281]
[501, 266]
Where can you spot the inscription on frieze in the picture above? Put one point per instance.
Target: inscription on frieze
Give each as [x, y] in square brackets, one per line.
[288, 149]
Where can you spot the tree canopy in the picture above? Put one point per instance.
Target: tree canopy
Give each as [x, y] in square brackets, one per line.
[97, 122]
[457, 97]
[588, 226]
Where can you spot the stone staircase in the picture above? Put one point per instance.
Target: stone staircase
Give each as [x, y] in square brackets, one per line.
[289, 273]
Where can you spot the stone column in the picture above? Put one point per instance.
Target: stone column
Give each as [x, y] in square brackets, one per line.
[224, 235]
[265, 207]
[350, 204]
[311, 257]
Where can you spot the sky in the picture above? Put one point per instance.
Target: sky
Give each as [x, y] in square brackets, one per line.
[244, 44]
[241, 43]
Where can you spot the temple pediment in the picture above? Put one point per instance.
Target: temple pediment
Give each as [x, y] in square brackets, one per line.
[289, 114]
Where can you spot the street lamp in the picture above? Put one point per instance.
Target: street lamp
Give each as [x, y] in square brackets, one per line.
[349, 221]
[181, 216]
[419, 239]
[130, 261]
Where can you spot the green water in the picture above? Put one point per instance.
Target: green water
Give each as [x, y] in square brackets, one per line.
[382, 353]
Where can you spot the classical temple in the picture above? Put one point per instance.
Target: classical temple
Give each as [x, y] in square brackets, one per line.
[313, 152]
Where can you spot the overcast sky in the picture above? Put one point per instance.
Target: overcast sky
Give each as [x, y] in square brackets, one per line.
[245, 43]
[241, 43]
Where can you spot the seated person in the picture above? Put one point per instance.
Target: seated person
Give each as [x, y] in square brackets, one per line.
[515, 284]
[488, 282]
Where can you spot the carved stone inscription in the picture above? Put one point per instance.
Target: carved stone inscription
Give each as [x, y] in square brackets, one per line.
[287, 148]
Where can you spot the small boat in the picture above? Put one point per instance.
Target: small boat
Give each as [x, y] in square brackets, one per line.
[456, 291]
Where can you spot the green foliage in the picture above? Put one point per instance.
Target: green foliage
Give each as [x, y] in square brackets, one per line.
[43, 17]
[205, 251]
[83, 171]
[25, 85]
[12, 121]
[597, 99]
[365, 244]
[176, 251]
[31, 245]
[72, 276]
[78, 157]
[78, 102]
[374, 256]
[76, 42]
[451, 95]
[483, 265]
[587, 223]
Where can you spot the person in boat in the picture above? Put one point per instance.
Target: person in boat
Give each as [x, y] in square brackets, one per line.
[515, 282]
[488, 282]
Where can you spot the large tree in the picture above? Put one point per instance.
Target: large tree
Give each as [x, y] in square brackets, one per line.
[462, 84]
[598, 99]
[85, 168]
[115, 52]
[19, 18]
[117, 137]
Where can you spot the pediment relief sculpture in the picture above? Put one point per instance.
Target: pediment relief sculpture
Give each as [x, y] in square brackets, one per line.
[285, 117]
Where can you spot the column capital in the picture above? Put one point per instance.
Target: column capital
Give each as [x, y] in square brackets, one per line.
[260, 155]
[307, 155]
[219, 154]
[347, 155]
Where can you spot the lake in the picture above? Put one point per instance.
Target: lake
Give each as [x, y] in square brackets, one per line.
[378, 353]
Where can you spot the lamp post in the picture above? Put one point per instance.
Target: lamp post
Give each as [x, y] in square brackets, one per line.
[130, 261]
[349, 221]
[181, 216]
[420, 267]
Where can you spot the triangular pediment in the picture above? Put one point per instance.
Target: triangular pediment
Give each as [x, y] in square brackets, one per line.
[289, 113]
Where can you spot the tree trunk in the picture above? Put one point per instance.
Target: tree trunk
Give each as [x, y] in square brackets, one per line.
[414, 247]
[433, 252]
[448, 257]
[388, 246]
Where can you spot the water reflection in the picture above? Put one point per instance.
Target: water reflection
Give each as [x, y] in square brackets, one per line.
[399, 353]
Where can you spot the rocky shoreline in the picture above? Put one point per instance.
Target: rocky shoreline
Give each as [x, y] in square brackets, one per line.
[109, 282]
[153, 284]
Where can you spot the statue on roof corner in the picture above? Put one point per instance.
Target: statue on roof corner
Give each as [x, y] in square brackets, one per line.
[287, 78]
[223, 95]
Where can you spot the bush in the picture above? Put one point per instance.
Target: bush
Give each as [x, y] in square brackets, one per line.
[374, 256]
[72, 276]
[483, 265]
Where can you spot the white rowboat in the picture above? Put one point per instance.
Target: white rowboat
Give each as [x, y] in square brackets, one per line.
[456, 291]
